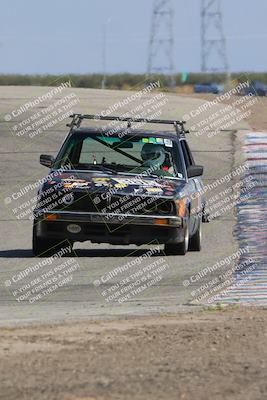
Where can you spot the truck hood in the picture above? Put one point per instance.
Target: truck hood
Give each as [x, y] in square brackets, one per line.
[116, 184]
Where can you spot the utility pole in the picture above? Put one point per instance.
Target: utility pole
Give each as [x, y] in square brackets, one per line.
[104, 53]
[104, 48]
[214, 54]
[161, 43]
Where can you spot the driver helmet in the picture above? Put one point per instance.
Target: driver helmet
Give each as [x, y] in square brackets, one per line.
[153, 155]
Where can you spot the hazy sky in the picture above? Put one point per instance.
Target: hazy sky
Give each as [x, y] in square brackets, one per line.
[61, 36]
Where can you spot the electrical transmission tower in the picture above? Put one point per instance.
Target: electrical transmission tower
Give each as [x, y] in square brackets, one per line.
[161, 43]
[214, 56]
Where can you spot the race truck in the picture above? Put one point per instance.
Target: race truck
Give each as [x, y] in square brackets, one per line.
[121, 185]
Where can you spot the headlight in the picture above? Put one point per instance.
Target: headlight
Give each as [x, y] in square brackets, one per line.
[165, 207]
[160, 206]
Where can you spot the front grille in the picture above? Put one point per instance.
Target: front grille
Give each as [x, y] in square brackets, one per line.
[84, 201]
[80, 201]
[140, 205]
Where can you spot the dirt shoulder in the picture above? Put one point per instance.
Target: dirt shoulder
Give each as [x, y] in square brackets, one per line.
[210, 354]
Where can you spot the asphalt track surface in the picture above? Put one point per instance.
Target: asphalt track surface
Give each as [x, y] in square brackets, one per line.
[80, 298]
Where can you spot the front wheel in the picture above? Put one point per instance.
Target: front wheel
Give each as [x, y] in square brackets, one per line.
[261, 93]
[179, 248]
[195, 240]
[42, 246]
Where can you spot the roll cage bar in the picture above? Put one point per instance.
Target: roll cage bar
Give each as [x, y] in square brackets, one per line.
[179, 126]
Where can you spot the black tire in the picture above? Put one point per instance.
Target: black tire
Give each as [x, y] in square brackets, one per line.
[195, 240]
[205, 216]
[46, 247]
[261, 93]
[178, 249]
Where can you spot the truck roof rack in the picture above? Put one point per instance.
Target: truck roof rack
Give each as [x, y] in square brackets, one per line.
[77, 119]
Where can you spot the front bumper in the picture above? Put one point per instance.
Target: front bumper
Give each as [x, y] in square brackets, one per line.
[101, 218]
[110, 228]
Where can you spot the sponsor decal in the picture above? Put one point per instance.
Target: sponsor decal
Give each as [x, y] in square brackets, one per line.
[75, 183]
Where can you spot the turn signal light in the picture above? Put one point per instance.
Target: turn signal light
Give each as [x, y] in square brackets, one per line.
[181, 204]
[161, 221]
[51, 216]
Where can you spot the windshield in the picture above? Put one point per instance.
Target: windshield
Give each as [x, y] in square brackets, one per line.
[130, 154]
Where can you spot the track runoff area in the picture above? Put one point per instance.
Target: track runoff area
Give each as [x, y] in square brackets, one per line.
[228, 242]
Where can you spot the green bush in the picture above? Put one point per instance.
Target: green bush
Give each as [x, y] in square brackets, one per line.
[122, 80]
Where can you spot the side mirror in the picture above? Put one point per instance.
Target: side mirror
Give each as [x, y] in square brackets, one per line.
[194, 170]
[46, 160]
